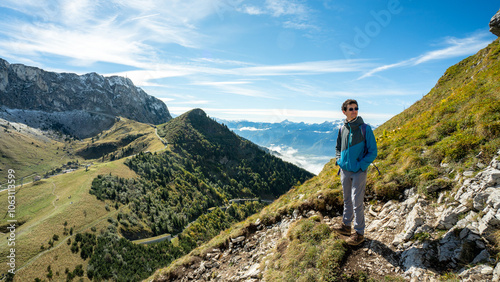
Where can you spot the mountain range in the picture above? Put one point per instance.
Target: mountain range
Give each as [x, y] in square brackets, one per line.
[309, 146]
[78, 105]
[314, 139]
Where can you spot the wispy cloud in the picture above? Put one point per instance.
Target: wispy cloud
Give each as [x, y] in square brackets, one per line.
[306, 68]
[276, 8]
[222, 62]
[347, 91]
[132, 33]
[190, 102]
[220, 83]
[296, 14]
[456, 47]
[386, 67]
[286, 7]
[252, 10]
[88, 31]
[155, 71]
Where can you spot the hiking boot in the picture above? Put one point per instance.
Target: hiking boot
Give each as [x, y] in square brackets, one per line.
[342, 229]
[355, 239]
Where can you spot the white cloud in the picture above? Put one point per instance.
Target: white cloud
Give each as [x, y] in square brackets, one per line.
[191, 102]
[249, 128]
[458, 47]
[299, 25]
[305, 68]
[88, 31]
[252, 10]
[221, 83]
[286, 7]
[296, 14]
[386, 67]
[167, 100]
[243, 91]
[154, 71]
[222, 62]
[310, 163]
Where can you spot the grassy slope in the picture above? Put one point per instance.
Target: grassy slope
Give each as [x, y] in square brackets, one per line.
[118, 135]
[455, 126]
[457, 120]
[31, 155]
[28, 154]
[43, 207]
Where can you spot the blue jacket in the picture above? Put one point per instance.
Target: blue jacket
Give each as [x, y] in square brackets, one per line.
[350, 149]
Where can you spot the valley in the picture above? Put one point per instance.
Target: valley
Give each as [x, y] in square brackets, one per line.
[309, 146]
[53, 210]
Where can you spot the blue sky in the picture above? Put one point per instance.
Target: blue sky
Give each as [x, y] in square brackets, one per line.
[259, 60]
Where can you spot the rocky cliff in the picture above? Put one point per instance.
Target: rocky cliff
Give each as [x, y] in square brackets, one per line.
[495, 24]
[81, 105]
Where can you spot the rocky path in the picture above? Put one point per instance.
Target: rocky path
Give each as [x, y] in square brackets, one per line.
[418, 239]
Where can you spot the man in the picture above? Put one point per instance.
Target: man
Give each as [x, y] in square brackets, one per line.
[356, 149]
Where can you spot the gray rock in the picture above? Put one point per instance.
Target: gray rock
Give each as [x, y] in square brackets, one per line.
[477, 273]
[252, 272]
[412, 260]
[483, 256]
[494, 199]
[447, 219]
[468, 173]
[450, 247]
[479, 201]
[238, 239]
[414, 219]
[310, 213]
[466, 197]
[496, 273]
[491, 177]
[495, 24]
[489, 220]
[495, 164]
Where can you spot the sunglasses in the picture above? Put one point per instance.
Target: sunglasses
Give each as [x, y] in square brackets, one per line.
[353, 109]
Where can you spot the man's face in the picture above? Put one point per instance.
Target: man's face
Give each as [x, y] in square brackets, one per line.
[351, 112]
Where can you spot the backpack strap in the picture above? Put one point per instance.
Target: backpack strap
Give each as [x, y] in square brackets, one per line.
[363, 131]
[340, 134]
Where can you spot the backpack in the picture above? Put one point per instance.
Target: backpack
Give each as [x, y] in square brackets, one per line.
[363, 131]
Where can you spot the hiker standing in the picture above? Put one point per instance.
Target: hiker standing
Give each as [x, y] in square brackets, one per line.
[356, 149]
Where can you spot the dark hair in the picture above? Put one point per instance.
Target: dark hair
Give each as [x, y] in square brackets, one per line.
[347, 103]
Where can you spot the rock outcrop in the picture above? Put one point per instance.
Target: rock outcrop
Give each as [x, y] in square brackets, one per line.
[495, 24]
[418, 239]
[81, 105]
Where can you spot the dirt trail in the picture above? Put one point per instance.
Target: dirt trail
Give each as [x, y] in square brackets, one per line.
[54, 193]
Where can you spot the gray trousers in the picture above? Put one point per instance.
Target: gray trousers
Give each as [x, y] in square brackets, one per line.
[353, 185]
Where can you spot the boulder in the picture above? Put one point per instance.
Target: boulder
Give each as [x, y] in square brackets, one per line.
[449, 217]
[495, 24]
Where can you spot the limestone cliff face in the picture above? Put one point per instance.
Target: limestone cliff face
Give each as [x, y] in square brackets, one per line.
[90, 97]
